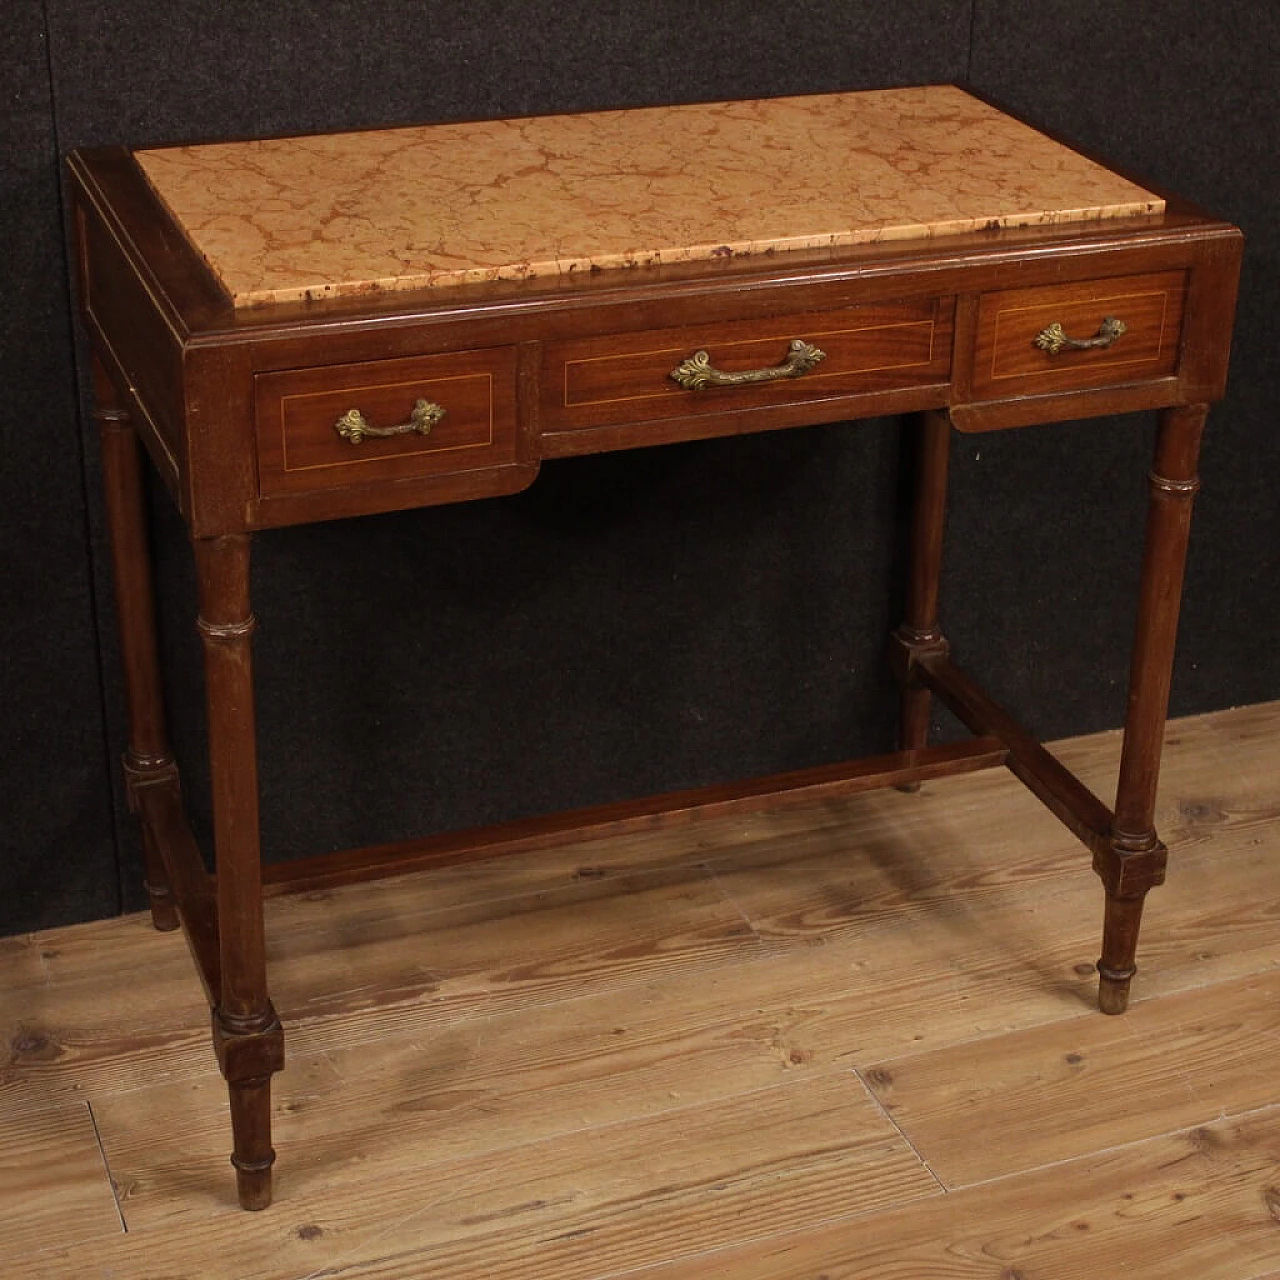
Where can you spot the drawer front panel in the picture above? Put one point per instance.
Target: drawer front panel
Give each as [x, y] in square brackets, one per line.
[301, 449]
[1008, 361]
[624, 378]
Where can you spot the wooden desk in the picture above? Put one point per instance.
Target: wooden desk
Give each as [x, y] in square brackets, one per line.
[304, 329]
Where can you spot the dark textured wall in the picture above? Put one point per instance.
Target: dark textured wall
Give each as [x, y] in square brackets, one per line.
[58, 857]
[1185, 95]
[635, 622]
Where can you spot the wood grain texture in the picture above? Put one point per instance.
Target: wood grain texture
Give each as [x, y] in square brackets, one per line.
[52, 1182]
[1006, 358]
[945, 849]
[659, 812]
[1162, 1069]
[1188, 1206]
[647, 1055]
[296, 411]
[821, 1143]
[22, 960]
[593, 382]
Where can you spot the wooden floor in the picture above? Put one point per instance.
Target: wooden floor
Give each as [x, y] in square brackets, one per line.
[852, 1040]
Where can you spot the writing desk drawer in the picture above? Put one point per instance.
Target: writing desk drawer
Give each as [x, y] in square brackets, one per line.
[384, 420]
[622, 378]
[1065, 337]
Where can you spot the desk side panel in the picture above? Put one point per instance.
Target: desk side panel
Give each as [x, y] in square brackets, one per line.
[1211, 313]
[147, 298]
[137, 343]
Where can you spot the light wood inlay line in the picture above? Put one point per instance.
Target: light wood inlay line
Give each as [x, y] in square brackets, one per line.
[357, 458]
[1006, 315]
[811, 376]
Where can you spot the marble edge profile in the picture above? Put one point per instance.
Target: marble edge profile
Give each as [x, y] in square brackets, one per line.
[264, 295]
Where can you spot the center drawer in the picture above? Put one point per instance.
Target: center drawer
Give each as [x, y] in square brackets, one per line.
[627, 378]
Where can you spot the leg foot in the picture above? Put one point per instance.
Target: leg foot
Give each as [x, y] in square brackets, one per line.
[164, 914]
[1113, 992]
[253, 1155]
[913, 725]
[906, 648]
[1119, 946]
[164, 906]
[249, 1056]
[139, 773]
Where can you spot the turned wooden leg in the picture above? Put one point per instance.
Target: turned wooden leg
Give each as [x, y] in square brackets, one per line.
[148, 760]
[919, 633]
[246, 1032]
[1134, 860]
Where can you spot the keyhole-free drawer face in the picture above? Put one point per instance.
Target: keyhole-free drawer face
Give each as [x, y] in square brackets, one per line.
[627, 377]
[1011, 358]
[469, 422]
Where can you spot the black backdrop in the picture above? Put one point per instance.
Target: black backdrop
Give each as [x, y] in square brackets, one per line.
[637, 622]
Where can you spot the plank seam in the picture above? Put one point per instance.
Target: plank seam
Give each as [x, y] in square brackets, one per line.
[880, 1107]
[106, 1167]
[710, 869]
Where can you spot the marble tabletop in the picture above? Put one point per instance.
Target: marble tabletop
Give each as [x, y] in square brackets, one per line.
[352, 213]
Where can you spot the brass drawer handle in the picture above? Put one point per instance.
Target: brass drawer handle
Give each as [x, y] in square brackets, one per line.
[354, 426]
[696, 373]
[1053, 339]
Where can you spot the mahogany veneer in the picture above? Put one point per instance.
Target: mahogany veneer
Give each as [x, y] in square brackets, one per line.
[239, 408]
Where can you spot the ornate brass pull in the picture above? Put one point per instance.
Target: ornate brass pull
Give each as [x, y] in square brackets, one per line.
[697, 373]
[354, 426]
[1053, 339]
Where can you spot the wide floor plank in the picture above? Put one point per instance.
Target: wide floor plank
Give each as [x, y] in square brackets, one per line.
[1198, 1205]
[1164, 1066]
[593, 1201]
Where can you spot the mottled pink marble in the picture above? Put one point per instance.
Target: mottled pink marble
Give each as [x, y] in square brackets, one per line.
[405, 208]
